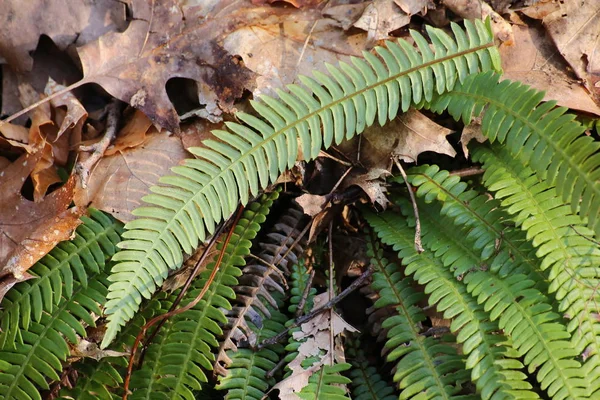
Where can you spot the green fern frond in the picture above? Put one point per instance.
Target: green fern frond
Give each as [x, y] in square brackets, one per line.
[38, 359]
[248, 156]
[366, 383]
[57, 273]
[523, 312]
[541, 135]
[247, 370]
[327, 384]
[559, 235]
[425, 366]
[175, 362]
[494, 368]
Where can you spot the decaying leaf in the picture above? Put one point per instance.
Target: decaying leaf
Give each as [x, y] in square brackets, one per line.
[532, 59]
[28, 230]
[119, 181]
[575, 29]
[311, 204]
[406, 137]
[380, 18]
[284, 46]
[64, 21]
[161, 43]
[132, 134]
[372, 183]
[295, 3]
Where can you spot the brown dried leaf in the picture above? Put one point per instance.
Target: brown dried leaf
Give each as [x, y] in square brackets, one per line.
[161, 43]
[28, 230]
[118, 182]
[64, 21]
[380, 18]
[132, 134]
[575, 29]
[295, 3]
[411, 7]
[372, 184]
[406, 136]
[533, 60]
[311, 204]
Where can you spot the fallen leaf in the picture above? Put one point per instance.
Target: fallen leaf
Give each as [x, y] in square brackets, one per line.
[28, 230]
[64, 21]
[411, 7]
[471, 132]
[282, 47]
[76, 113]
[540, 9]
[295, 3]
[532, 59]
[161, 43]
[406, 137]
[311, 204]
[372, 183]
[380, 18]
[132, 134]
[575, 29]
[87, 349]
[119, 181]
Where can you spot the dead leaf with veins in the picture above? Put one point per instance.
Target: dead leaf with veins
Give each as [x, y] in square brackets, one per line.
[372, 183]
[380, 18]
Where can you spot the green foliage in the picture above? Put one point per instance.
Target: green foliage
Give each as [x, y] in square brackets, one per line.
[248, 156]
[50, 312]
[326, 384]
[541, 135]
[366, 382]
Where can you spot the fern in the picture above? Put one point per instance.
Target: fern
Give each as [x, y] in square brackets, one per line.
[57, 274]
[424, 364]
[248, 156]
[495, 370]
[182, 351]
[540, 135]
[367, 384]
[325, 384]
[571, 258]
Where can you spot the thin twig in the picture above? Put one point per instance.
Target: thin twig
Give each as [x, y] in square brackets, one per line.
[589, 239]
[161, 317]
[353, 286]
[302, 302]
[272, 267]
[418, 245]
[84, 167]
[331, 292]
[276, 368]
[468, 172]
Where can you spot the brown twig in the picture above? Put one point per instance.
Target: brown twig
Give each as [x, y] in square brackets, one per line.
[302, 302]
[331, 294]
[84, 167]
[467, 172]
[418, 245]
[353, 286]
[161, 317]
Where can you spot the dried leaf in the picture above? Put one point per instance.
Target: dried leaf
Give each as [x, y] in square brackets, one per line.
[380, 18]
[411, 7]
[64, 21]
[295, 3]
[575, 29]
[533, 60]
[372, 184]
[132, 134]
[28, 230]
[160, 44]
[118, 182]
[312, 204]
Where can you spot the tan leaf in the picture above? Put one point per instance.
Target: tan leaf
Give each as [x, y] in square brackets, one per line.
[532, 59]
[161, 43]
[295, 3]
[411, 7]
[312, 204]
[119, 181]
[372, 184]
[64, 21]
[132, 134]
[575, 29]
[28, 229]
[380, 18]
[406, 136]
[76, 113]
[471, 132]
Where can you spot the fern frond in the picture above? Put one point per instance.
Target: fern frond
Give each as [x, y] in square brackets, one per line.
[366, 383]
[327, 384]
[248, 156]
[176, 361]
[57, 273]
[494, 368]
[424, 364]
[38, 359]
[559, 235]
[247, 370]
[523, 312]
[541, 135]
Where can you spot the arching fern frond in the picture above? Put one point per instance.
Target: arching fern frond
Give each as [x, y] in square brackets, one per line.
[572, 259]
[183, 350]
[426, 366]
[541, 135]
[253, 153]
[326, 384]
[58, 273]
[366, 383]
[494, 368]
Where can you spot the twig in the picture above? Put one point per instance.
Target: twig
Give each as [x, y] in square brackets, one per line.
[589, 239]
[84, 167]
[276, 368]
[353, 286]
[305, 293]
[331, 291]
[467, 172]
[418, 245]
[161, 317]
[273, 267]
